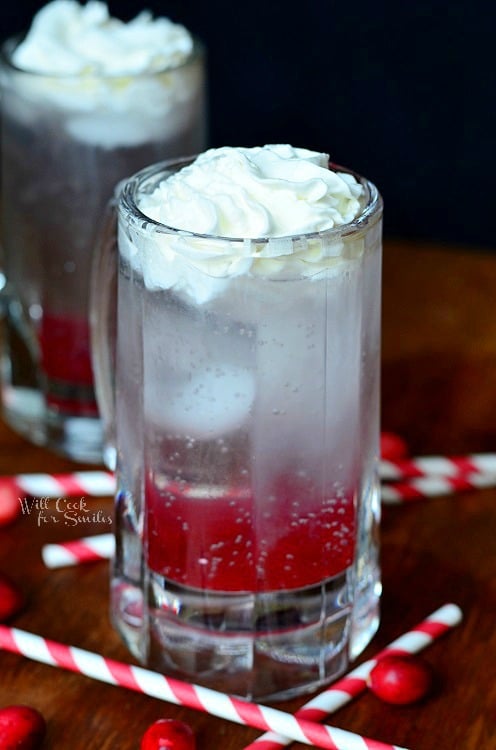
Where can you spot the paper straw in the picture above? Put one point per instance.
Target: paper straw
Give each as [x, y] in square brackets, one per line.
[182, 693]
[438, 466]
[425, 487]
[87, 549]
[102, 483]
[355, 682]
[90, 483]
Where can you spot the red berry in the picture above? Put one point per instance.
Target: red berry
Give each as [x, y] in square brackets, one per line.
[393, 447]
[11, 599]
[10, 507]
[168, 734]
[21, 728]
[400, 679]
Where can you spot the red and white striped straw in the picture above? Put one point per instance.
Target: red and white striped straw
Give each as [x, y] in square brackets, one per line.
[102, 483]
[182, 693]
[438, 466]
[86, 549]
[432, 486]
[90, 483]
[355, 682]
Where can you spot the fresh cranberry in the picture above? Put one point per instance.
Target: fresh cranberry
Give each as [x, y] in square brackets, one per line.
[401, 679]
[21, 728]
[393, 447]
[11, 599]
[10, 507]
[168, 734]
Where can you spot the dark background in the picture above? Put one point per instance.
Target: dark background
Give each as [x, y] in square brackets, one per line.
[402, 92]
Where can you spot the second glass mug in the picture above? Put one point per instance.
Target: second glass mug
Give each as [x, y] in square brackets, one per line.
[243, 398]
[66, 141]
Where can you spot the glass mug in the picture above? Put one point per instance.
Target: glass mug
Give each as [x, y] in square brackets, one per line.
[66, 141]
[239, 384]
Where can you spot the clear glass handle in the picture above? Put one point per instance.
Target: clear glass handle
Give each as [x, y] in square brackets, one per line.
[103, 326]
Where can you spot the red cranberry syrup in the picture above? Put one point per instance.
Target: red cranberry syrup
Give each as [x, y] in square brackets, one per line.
[66, 363]
[238, 542]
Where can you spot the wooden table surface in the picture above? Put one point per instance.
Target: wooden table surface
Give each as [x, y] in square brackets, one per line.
[439, 393]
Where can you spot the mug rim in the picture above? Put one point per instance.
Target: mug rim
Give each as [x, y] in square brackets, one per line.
[8, 46]
[370, 214]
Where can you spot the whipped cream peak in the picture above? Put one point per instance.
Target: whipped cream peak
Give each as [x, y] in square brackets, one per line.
[265, 191]
[67, 38]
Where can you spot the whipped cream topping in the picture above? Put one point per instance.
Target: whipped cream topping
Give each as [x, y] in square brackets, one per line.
[254, 212]
[69, 38]
[269, 191]
[108, 82]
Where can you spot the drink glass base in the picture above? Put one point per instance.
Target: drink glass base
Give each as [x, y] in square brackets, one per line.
[268, 646]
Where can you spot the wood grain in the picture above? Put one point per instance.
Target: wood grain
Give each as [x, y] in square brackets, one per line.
[439, 392]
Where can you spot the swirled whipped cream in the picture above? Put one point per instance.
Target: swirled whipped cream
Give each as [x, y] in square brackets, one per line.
[268, 191]
[254, 212]
[69, 38]
[111, 83]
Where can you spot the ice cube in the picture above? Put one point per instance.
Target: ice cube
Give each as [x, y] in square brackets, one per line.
[209, 404]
